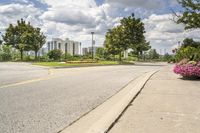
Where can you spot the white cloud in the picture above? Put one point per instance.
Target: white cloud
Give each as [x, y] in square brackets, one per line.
[10, 13]
[75, 19]
[163, 33]
[147, 4]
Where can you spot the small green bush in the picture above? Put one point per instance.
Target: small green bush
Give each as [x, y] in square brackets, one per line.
[55, 54]
[5, 56]
[29, 58]
[5, 53]
[44, 58]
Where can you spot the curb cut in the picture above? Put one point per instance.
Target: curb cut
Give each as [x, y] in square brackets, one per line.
[102, 118]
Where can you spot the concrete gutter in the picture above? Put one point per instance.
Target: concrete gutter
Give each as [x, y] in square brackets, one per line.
[104, 116]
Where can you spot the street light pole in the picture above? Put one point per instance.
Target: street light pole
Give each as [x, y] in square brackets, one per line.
[92, 46]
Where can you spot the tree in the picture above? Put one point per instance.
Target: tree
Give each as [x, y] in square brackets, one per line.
[100, 52]
[16, 36]
[24, 37]
[115, 43]
[36, 40]
[143, 46]
[191, 15]
[153, 54]
[134, 33]
[167, 57]
[55, 54]
[190, 42]
[128, 35]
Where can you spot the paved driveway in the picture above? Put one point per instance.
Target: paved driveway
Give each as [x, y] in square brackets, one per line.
[49, 103]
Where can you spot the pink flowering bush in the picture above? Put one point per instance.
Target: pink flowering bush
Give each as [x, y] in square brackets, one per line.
[191, 69]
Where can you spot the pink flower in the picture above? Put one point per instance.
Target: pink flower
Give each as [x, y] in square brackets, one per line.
[188, 70]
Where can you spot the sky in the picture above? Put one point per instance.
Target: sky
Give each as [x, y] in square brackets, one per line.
[76, 19]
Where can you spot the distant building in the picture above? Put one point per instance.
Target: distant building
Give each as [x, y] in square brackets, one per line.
[88, 50]
[85, 51]
[66, 46]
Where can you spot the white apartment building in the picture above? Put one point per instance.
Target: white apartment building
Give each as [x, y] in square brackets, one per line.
[66, 46]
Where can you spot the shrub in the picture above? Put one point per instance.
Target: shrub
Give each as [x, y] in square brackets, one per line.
[55, 54]
[44, 58]
[5, 53]
[191, 69]
[15, 55]
[67, 57]
[28, 58]
[189, 52]
[5, 56]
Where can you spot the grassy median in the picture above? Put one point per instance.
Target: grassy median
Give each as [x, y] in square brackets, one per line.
[79, 64]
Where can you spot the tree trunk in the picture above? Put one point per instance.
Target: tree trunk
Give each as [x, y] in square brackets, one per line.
[21, 54]
[36, 52]
[120, 56]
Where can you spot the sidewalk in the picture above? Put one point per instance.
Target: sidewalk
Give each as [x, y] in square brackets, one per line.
[167, 104]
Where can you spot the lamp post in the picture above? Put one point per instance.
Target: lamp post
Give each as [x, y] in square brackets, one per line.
[92, 46]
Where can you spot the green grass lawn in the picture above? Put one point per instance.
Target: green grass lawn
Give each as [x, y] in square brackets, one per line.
[59, 64]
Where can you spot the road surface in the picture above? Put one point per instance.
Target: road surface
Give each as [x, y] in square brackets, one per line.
[42, 100]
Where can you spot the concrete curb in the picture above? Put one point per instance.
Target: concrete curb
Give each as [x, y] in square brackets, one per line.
[102, 118]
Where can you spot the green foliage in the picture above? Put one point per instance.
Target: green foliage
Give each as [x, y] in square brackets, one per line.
[55, 54]
[5, 53]
[36, 40]
[167, 57]
[44, 58]
[191, 15]
[128, 35]
[115, 43]
[100, 52]
[143, 46]
[67, 57]
[16, 36]
[28, 58]
[131, 58]
[134, 34]
[190, 42]
[103, 54]
[15, 55]
[189, 52]
[24, 37]
[191, 18]
[152, 54]
[76, 58]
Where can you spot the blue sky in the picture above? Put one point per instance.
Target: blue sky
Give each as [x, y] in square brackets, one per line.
[75, 19]
[99, 2]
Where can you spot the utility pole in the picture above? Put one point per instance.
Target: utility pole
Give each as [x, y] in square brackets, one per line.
[92, 45]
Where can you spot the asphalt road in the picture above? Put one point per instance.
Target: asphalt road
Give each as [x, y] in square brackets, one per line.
[16, 72]
[41, 100]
